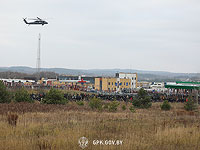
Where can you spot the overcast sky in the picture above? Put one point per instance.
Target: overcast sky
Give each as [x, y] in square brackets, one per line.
[159, 35]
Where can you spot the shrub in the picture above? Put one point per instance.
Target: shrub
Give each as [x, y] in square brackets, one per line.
[124, 107]
[106, 105]
[4, 94]
[132, 109]
[54, 96]
[80, 103]
[142, 100]
[113, 106]
[190, 105]
[96, 103]
[165, 106]
[12, 119]
[22, 95]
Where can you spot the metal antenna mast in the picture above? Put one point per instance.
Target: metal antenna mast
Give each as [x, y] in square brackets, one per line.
[38, 55]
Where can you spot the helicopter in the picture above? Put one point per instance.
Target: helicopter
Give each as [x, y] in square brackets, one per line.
[37, 21]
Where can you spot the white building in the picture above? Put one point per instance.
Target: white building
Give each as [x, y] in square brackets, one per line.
[132, 76]
[158, 86]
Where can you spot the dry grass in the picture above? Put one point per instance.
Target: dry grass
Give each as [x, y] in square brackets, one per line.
[60, 128]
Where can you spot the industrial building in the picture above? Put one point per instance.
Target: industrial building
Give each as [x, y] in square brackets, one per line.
[143, 84]
[75, 79]
[112, 84]
[132, 76]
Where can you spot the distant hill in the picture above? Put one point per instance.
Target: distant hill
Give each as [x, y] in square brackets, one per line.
[142, 74]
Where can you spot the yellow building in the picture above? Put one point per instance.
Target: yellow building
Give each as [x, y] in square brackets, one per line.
[112, 84]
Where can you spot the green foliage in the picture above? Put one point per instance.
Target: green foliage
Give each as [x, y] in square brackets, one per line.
[4, 94]
[142, 100]
[80, 103]
[106, 105]
[190, 105]
[22, 95]
[132, 109]
[54, 96]
[96, 103]
[165, 106]
[113, 106]
[123, 107]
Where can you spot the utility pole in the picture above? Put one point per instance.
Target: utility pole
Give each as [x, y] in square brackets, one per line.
[38, 57]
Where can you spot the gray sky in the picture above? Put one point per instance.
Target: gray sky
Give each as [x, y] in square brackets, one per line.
[161, 35]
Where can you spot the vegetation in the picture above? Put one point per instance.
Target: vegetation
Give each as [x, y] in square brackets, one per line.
[132, 109]
[113, 106]
[190, 104]
[142, 100]
[80, 103]
[12, 119]
[165, 106]
[54, 96]
[14, 75]
[106, 105]
[4, 94]
[123, 107]
[96, 103]
[22, 95]
[38, 127]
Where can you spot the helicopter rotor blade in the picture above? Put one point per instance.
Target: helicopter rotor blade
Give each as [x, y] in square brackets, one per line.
[32, 19]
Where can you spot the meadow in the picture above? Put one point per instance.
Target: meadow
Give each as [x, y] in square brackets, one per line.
[59, 127]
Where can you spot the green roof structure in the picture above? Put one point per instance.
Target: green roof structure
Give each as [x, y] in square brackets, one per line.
[184, 85]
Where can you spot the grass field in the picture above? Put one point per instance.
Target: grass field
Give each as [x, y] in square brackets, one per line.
[59, 127]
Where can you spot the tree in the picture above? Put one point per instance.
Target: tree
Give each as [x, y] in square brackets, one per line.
[190, 104]
[113, 106]
[142, 99]
[96, 103]
[54, 96]
[4, 94]
[165, 106]
[22, 95]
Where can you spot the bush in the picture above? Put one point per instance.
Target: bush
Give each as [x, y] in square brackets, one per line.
[113, 106]
[132, 109]
[106, 105]
[4, 94]
[165, 106]
[22, 95]
[142, 100]
[12, 119]
[96, 103]
[55, 96]
[124, 107]
[80, 103]
[190, 105]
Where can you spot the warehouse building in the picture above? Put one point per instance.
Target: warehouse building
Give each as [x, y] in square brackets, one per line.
[112, 84]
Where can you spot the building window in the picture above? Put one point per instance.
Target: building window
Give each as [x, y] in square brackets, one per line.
[112, 83]
[108, 83]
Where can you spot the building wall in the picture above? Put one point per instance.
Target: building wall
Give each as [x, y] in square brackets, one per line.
[132, 76]
[97, 84]
[112, 84]
[144, 84]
